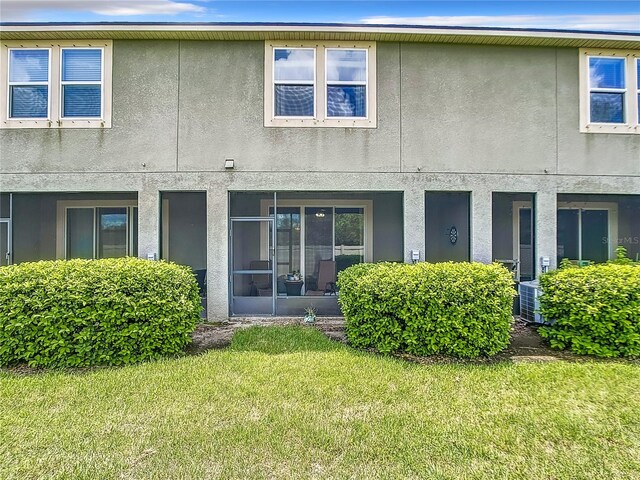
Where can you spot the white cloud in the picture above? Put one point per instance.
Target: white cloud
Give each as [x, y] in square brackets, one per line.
[22, 10]
[629, 22]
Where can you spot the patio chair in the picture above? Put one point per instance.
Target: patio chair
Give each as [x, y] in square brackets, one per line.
[260, 284]
[326, 284]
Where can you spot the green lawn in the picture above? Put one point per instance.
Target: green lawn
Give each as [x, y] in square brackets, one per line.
[285, 402]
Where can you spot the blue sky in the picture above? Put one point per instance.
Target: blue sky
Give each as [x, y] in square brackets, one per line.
[577, 14]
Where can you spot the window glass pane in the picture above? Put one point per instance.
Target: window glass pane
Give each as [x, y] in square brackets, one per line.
[82, 65]
[294, 101]
[347, 65]
[525, 226]
[638, 85]
[81, 100]
[29, 66]
[294, 64]
[28, 101]
[318, 246]
[606, 72]
[112, 232]
[346, 101]
[80, 233]
[568, 234]
[287, 241]
[349, 231]
[133, 251]
[607, 107]
[595, 235]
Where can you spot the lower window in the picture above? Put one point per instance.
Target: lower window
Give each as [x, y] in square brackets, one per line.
[100, 232]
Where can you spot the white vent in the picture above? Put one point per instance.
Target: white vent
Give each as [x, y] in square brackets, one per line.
[529, 301]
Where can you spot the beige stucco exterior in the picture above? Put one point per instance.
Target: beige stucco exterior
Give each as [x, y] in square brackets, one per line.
[450, 117]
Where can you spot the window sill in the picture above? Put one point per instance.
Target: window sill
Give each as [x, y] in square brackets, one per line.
[51, 124]
[620, 129]
[317, 123]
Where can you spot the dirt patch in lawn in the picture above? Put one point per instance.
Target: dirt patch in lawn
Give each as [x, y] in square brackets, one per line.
[208, 336]
[526, 344]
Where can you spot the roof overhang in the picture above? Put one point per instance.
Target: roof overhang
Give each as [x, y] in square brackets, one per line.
[348, 32]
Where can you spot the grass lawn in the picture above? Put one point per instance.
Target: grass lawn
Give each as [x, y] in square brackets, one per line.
[285, 402]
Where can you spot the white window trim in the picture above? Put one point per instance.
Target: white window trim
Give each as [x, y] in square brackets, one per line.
[631, 91]
[55, 119]
[313, 83]
[61, 221]
[327, 82]
[320, 119]
[76, 82]
[47, 83]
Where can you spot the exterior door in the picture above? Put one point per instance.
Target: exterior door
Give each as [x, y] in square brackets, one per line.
[252, 286]
[5, 253]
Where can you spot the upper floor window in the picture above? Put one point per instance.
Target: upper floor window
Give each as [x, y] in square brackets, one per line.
[63, 84]
[610, 91]
[29, 83]
[313, 85]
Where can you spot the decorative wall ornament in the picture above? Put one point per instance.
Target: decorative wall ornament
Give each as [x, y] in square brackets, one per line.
[453, 235]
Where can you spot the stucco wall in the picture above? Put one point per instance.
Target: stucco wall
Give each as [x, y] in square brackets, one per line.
[188, 105]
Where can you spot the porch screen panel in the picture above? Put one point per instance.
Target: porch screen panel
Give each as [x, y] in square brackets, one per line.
[252, 249]
[318, 242]
[79, 233]
[595, 235]
[349, 237]
[112, 232]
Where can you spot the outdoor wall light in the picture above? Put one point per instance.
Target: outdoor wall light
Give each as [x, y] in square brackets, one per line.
[229, 164]
[320, 213]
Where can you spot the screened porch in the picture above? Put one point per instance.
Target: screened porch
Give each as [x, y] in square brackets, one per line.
[287, 248]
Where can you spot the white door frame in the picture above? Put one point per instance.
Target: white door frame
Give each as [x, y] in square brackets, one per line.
[516, 206]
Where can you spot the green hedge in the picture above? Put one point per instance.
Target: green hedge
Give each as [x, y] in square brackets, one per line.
[95, 312]
[595, 310]
[459, 309]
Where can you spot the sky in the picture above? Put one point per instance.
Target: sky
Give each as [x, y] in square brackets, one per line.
[616, 15]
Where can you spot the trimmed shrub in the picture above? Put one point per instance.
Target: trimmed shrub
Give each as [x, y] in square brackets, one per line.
[459, 309]
[595, 310]
[76, 313]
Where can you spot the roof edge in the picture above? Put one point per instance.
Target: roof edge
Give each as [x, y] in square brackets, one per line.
[29, 27]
